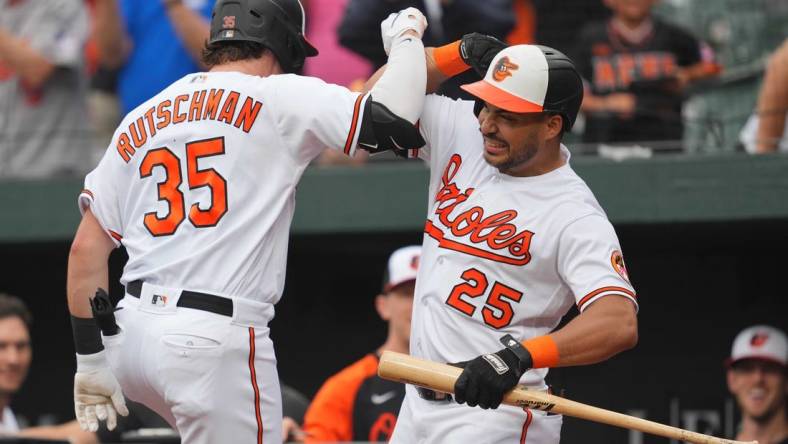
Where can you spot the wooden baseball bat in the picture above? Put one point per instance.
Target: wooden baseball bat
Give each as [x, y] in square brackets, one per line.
[441, 377]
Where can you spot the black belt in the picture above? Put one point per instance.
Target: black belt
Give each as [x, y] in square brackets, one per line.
[192, 299]
[432, 395]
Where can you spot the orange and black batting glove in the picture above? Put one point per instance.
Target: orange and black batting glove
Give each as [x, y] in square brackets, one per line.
[471, 51]
[478, 51]
[486, 378]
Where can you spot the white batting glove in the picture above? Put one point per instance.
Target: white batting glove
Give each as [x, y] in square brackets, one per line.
[399, 22]
[97, 394]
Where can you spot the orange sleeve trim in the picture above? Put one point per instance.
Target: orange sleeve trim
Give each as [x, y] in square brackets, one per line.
[353, 124]
[115, 235]
[623, 290]
[88, 192]
[543, 351]
[448, 59]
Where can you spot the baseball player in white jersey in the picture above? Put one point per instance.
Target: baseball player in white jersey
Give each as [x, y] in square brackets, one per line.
[198, 185]
[513, 239]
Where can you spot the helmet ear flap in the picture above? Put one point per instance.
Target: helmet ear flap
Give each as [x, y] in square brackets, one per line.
[297, 52]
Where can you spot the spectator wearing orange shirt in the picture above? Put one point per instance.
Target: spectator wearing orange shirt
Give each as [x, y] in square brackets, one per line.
[355, 404]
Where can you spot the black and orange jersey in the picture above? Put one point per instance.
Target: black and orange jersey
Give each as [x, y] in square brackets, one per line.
[611, 64]
[354, 405]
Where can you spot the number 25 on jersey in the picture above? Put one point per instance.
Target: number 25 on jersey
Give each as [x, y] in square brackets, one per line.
[169, 188]
[497, 311]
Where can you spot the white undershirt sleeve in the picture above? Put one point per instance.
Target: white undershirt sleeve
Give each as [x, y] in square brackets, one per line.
[401, 87]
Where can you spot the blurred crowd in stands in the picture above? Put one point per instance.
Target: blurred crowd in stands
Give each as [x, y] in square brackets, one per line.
[705, 76]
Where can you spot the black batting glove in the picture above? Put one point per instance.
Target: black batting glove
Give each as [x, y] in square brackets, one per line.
[485, 379]
[478, 50]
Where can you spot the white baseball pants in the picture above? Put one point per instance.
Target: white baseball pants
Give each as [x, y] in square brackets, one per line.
[212, 377]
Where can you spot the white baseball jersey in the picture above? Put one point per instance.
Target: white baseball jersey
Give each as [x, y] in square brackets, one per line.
[502, 254]
[198, 182]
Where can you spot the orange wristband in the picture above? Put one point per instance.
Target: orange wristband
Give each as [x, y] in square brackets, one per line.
[448, 59]
[543, 351]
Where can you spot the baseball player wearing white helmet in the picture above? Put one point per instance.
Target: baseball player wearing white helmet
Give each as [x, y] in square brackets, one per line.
[513, 239]
[198, 185]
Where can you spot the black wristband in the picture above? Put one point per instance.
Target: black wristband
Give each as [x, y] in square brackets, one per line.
[87, 337]
[526, 361]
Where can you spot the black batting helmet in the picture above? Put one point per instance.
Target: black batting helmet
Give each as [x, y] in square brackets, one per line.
[532, 79]
[276, 24]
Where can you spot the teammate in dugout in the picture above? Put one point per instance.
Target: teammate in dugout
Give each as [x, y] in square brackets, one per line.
[513, 239]
[198, 185]
[757, 376]
[356, 404]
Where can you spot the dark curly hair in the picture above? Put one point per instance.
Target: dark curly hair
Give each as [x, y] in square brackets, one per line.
[218, 53]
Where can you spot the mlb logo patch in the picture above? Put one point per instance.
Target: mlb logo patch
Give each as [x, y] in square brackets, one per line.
[159, 300]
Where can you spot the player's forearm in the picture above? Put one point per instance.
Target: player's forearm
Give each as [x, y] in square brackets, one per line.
[192, 29]
[113, 42]
[29, 64]
[87, 265]
[434, 75]
[85, 276]
[604, 329]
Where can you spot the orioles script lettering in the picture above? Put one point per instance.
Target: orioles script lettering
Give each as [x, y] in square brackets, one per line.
[471, 229]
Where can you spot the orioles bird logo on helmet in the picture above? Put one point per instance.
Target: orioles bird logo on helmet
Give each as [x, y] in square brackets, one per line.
[503, 69]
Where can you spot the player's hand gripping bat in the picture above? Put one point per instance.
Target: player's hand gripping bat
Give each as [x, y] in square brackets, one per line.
[441, 377]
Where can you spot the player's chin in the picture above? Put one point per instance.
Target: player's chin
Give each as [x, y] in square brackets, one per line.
[495, 152]
[10, 385]
[757, 408]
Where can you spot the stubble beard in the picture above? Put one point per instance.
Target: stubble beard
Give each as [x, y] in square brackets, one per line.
[529, 149]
